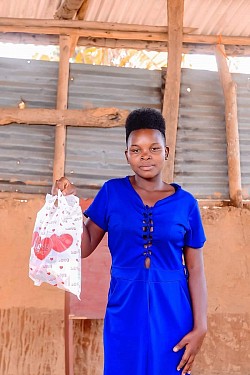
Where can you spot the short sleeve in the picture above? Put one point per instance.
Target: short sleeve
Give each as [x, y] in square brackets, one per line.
[97, 211]
[195, 236]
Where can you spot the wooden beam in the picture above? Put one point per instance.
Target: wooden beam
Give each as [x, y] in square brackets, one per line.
[62, 103]
[47, 26]
[187, 48]
[68, 9]
[173, 80]
[232, 132]
[81, 13]
[96, 117]
[108, 30]
[68, 339]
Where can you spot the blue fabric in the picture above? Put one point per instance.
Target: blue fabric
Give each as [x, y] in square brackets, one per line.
[148, 309]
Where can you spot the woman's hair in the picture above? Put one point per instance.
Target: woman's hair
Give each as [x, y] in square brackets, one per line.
[145, 118]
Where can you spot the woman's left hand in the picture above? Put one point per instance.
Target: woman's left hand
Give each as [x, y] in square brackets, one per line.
[192, 343]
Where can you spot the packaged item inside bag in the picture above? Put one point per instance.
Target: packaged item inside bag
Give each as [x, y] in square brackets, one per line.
[56, 244]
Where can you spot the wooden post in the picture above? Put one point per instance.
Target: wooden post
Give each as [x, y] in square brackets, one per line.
[68, 337]
[232, 132]
[62, 102]
[81, 13]
[58, 171]
[173, 79]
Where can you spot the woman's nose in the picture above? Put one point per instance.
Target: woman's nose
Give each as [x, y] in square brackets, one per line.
[145, 155]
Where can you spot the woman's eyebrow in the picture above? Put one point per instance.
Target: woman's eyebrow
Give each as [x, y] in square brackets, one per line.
[155, 143]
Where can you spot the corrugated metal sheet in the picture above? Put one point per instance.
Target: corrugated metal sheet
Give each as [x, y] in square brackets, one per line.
[29, 9]
[226, 17]
[26, 152]
[221, 17]
[201, 159]
[26, 158]
[104, 86]
[138, 12]
[243, 100]
[33, 81]
[95, 155]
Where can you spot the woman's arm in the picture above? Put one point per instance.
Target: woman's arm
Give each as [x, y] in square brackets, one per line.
[91, 237]
[198, 292]
[197, 286]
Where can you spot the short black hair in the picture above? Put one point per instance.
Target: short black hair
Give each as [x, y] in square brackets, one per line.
[145, 118]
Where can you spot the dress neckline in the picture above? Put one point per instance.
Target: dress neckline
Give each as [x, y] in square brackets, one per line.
[132, 189]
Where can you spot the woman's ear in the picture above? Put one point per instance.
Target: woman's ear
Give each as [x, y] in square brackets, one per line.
[166, 152]
[126, 155]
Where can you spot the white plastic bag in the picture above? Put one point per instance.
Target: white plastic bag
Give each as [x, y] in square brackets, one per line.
[56, 244]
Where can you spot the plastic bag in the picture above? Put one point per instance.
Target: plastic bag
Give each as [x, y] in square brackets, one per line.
[56, 244]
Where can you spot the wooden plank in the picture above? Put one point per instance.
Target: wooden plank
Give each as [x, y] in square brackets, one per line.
[68, 337]
[232, 132]
[57, 25]
[188, 48]
[79, 16]
[62, 102]
[58, 171]
[96, 117]
[108, 30]
[173, 79]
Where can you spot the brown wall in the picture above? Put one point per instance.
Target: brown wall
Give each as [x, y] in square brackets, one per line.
[31, 318]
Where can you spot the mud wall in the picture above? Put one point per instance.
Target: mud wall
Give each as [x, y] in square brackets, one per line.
[31, 318]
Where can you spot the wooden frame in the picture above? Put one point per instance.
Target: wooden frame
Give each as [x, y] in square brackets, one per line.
[232, 132]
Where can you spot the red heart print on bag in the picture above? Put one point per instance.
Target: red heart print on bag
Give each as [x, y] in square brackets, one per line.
[61, 243]
[42, 248]
[35, 238]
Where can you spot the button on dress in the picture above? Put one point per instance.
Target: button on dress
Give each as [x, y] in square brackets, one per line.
[149, 309]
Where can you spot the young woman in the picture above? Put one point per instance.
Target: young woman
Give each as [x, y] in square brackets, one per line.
[155, 319]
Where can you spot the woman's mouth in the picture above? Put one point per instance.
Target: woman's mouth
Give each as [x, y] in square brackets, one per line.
[146, 167]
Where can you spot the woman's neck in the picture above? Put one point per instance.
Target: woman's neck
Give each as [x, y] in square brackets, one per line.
[154, 184]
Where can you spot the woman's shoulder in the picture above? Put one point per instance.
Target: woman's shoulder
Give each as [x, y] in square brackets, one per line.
[184, 194]
[115, 183]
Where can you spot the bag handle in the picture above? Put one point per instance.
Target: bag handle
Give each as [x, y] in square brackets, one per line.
[67, 200]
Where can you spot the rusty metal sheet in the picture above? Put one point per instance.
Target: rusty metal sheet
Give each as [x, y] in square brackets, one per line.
[243, 102]
[201, 159]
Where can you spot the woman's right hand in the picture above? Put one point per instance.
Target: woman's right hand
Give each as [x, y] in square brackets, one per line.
[64, 185]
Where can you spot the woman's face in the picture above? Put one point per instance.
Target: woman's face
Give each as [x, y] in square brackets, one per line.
[146, 152]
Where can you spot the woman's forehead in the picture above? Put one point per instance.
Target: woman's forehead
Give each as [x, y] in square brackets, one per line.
[148, 135]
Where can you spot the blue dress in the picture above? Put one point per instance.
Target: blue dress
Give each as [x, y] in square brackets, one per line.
[149, 309]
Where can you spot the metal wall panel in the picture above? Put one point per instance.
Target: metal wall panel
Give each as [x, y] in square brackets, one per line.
[243, 101]
[26, 158]
[95, 155]
[201, 159]
[221, 17]
[105, 86]
[26, 152]
[31, 80]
